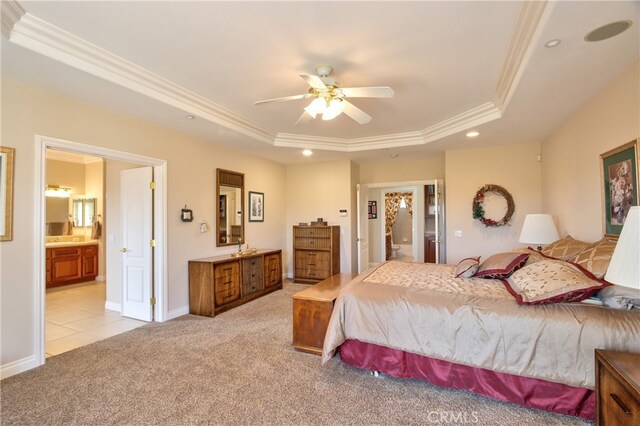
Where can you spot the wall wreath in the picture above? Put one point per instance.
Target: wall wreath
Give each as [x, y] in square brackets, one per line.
[478, 208]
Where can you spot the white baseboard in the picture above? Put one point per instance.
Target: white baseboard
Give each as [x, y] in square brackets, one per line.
[178, 312]
[101, 278]
[111, 306]
[16, 367]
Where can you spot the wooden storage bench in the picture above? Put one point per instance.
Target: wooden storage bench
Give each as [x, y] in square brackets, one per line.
[312, 310]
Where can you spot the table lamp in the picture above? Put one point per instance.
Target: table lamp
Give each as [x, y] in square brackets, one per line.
[538, 229]
[624, 268]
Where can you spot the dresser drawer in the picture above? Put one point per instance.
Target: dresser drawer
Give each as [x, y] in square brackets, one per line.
[228, 295]
[619, 407]
[315, 257]
[59, 252]
[227, 277]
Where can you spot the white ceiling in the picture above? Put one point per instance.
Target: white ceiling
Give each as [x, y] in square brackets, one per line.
[453, 66]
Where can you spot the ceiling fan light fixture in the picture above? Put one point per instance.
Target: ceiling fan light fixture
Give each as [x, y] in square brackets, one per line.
[335, 108]
[317, 106]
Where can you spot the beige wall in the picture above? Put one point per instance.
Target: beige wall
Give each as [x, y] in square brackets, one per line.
[321, 190]
[571, 176]
[403, 169]
[514, 167]
[28, 111]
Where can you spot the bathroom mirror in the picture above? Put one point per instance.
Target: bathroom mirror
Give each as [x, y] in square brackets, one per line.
[83, 210]
[57, 215]
[229, 208]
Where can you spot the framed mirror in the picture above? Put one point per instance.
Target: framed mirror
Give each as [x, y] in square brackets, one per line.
[83, 210]
[229, 208]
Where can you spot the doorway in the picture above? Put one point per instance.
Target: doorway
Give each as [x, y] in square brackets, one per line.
[426, 222]
[158, 267]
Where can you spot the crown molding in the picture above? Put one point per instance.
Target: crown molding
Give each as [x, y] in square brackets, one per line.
[10, 12]
[471, 118]
[42, 37]
[533, 16]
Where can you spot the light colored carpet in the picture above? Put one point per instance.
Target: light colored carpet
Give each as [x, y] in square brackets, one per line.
[236, 368]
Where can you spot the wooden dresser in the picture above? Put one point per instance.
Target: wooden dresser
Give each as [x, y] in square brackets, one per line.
[219, 283]
[71, 264]
[316, 253]
[617, 388]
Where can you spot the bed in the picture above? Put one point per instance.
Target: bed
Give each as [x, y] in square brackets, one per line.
[420, 321]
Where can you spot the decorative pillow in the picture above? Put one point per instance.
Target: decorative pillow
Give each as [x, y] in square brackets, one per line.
[501, 265]
[468, 267]
[619, 297]
[534, 255]
[552, 281]
[595, 257]
[564, 249]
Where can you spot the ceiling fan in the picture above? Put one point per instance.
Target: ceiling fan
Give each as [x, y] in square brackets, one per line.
[330, 100]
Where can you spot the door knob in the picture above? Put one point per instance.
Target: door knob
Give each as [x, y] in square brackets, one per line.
[124, 250]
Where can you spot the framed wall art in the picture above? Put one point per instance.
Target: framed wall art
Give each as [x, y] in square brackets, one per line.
[372, 210]
[620, 185]
[256, 206]
[6, 193]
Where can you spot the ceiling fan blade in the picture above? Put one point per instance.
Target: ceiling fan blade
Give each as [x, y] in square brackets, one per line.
[356, 113]
[367, 92]
[314, 81]
[284, 98]
[304, 118]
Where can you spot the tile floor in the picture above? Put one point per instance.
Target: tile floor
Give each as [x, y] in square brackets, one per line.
[75, 316]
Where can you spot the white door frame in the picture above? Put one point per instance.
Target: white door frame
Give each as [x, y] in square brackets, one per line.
[160, 225]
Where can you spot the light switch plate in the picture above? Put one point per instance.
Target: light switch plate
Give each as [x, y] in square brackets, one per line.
[457, 234]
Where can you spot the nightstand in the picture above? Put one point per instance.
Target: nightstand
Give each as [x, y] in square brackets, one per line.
[617, 388]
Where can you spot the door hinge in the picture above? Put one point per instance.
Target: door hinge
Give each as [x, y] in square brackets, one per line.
[153, 301]
[152, 185]
[152, 243]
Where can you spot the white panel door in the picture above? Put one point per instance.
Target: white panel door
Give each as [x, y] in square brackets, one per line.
[137, 219]
[363, 228]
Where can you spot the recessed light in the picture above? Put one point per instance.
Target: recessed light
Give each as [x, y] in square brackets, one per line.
[552, 43]
[609, 30]
[307, 152]
[394, 156]
[473, 134]
[190, 117]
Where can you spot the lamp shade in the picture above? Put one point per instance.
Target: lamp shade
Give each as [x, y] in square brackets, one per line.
[538, 229]
[624, 268]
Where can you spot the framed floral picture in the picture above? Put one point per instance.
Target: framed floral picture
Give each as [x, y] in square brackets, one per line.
[620, 185]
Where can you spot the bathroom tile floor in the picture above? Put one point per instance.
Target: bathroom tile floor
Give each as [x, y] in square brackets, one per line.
[75, 316]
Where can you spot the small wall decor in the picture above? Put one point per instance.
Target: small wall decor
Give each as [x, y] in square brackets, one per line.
[6, 193]
[256, 206]
[478, 208]
[620, 183]
[186, 215]
[372, 209]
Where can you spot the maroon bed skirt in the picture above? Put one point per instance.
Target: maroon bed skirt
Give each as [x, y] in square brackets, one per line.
[535, 393]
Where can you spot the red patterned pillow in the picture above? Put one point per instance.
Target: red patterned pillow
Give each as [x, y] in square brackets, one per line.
[467, 267]
[501, 265]
[552, 281]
